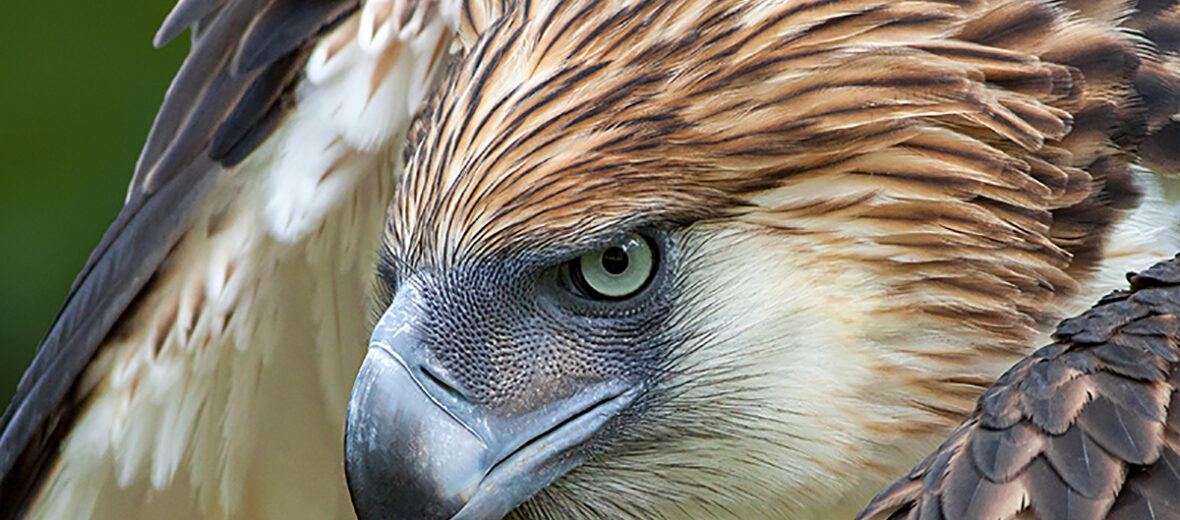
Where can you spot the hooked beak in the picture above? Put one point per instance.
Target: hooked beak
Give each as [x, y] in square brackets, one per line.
[417, 448]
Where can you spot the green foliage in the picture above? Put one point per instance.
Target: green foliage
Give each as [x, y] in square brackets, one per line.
[79, 86]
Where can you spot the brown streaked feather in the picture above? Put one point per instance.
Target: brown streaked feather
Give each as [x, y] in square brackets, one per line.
[1084, 428]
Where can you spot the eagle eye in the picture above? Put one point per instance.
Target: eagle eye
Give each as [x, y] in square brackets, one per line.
[616, 272]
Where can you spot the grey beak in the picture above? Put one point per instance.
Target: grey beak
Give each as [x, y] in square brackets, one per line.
[417, 448]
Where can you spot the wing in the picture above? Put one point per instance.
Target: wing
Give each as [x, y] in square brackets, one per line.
[1085, 428]
[236, 276]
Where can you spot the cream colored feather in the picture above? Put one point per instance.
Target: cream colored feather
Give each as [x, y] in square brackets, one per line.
[223, 394]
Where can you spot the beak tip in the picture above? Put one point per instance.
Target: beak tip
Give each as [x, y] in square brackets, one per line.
[392, 461]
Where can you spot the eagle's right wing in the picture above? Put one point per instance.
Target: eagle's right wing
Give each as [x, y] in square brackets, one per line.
[202, 360]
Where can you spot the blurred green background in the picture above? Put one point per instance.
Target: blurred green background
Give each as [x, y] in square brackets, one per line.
[79, 85]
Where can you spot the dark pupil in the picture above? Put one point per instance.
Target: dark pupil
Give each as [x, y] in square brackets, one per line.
[614, 260]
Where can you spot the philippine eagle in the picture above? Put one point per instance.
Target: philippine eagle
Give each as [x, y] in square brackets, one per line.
[661, 259]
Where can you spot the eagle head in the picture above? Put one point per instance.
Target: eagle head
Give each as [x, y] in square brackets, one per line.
[740, 259]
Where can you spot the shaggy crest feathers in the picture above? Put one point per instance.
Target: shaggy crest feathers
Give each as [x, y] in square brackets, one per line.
[973, 153]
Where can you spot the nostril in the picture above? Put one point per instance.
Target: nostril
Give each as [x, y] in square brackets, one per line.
[441, 384]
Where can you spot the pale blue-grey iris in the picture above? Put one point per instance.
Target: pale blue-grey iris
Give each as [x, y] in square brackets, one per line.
[620, 270]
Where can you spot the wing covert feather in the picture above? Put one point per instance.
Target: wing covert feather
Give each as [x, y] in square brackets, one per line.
[155, 215]
[147, 227]
[1085, 428]
[242, 48]
[235, 88]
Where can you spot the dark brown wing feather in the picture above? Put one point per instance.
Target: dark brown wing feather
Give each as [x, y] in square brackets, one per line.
[1085, 428]
[242, 62]
[230, 93]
